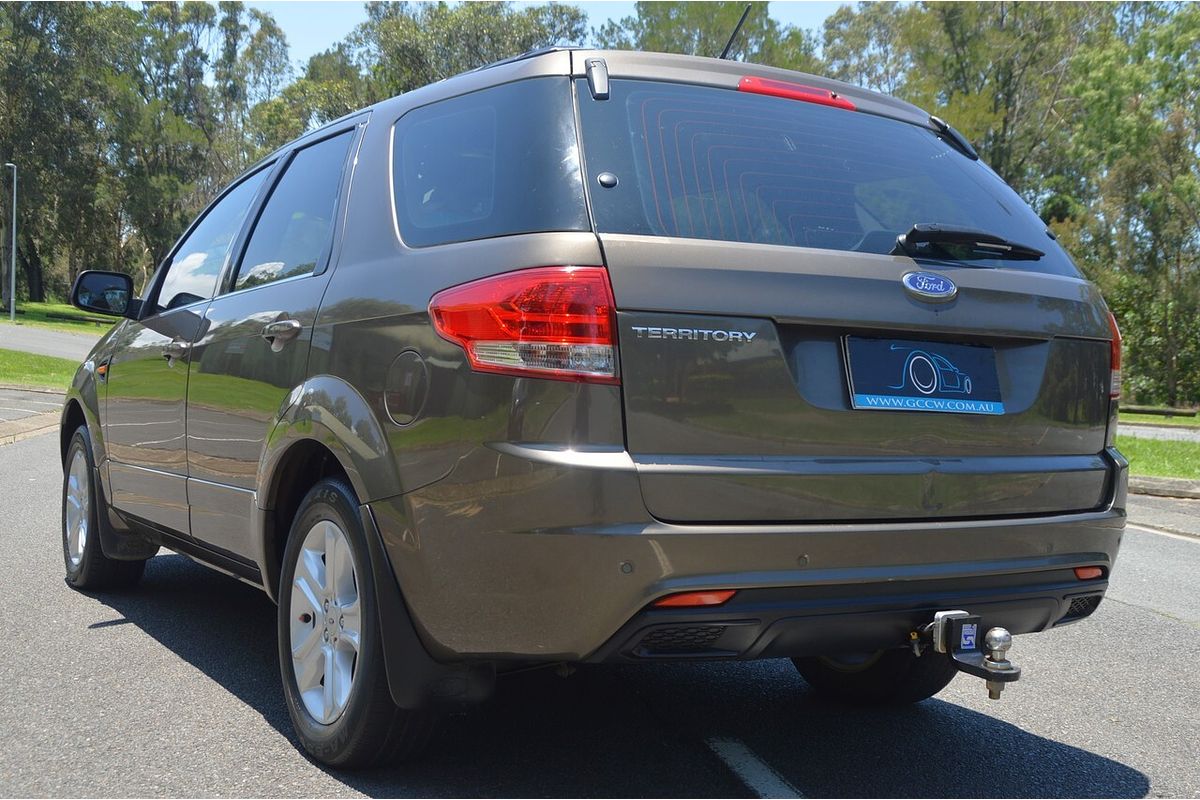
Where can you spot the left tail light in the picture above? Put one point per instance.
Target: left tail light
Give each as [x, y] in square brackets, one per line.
[547, 322]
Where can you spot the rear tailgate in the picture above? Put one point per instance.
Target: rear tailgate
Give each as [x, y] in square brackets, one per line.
[738, 407]
[750, 241]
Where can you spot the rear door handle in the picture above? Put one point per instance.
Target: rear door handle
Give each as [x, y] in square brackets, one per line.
[174, 351]
[281, 332]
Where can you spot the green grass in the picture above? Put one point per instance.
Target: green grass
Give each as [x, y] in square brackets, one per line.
[42, 372]
[48, 315]
[1154, 419]
[1160, 459]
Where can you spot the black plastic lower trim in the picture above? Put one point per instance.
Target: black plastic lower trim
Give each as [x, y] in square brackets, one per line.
[220, 560]
[831, 620]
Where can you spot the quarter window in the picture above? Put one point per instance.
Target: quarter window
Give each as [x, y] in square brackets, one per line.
[194, 269]
[495, 162]
[294, 231]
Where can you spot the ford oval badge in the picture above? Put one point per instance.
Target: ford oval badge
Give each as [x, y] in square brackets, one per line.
[930, 286]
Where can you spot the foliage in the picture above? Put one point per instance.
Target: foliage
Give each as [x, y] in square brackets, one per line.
[702, 29]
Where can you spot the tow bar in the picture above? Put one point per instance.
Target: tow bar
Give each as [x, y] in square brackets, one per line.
[956, 634]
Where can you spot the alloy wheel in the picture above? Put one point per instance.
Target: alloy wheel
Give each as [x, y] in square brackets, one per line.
[77, 507]
[326, 621]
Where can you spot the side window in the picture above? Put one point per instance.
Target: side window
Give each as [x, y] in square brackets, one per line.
[293, 233]
[193, 272]
[494, 162]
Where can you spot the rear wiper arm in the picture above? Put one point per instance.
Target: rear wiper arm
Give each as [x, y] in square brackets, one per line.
[979, 244]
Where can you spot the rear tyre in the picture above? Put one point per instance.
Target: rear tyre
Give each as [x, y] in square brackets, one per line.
[889, 677]
[330, 649]
[86, 565]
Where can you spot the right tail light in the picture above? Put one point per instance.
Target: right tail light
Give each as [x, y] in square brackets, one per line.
[1114, 387]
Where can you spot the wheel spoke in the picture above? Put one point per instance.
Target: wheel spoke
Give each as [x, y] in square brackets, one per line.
[309, 594]
[351, 619]
[309, 662]
[332, 558]
[343, 589]
[310, 569]
[343, 675]
[330, 680]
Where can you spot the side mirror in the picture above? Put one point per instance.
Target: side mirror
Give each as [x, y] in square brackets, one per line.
[104, 293]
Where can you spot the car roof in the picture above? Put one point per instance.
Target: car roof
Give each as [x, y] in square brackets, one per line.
[668, 67]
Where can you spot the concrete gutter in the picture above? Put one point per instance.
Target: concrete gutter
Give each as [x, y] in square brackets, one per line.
[24, 428]
[1165, 487]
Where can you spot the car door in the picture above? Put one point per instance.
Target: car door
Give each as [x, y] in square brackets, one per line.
[147, 375]
[254, 347]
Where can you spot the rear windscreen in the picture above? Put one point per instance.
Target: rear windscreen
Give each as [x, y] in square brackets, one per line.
[711, 163]
[494, 162]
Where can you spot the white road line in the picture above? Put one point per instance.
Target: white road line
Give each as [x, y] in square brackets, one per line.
[751, 770]
[1184, 537]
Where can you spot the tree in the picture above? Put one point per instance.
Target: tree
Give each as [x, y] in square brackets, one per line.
[51, 89]
[1138, 132]
[866, 47]
[404, 46]
[703, 29]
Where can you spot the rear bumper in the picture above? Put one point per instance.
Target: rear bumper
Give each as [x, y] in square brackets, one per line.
[845, 619]
[553, 562]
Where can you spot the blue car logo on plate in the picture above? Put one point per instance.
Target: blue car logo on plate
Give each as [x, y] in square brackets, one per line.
[930, 286]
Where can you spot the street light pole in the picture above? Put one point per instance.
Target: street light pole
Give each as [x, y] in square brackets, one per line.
[12, 269]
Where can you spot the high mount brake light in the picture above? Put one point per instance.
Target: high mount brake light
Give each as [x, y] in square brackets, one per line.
[546, 322]
[1114, 389]
[794, 91]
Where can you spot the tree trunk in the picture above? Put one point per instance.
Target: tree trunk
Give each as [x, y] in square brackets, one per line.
[31, 263]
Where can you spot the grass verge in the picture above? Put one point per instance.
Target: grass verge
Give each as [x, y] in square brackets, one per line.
[1160, 459]
[1154, 419]
[39, 372]
[59, 317]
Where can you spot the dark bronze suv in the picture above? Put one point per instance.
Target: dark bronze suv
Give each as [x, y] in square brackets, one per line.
[609, 357]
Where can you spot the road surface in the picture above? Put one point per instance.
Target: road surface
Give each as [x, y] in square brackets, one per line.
[173, 689]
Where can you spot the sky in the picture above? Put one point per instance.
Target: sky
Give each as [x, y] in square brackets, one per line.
[317, 25]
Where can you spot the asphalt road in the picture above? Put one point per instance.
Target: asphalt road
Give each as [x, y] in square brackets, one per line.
[47, 342]
[173, 689]
[1178, 433]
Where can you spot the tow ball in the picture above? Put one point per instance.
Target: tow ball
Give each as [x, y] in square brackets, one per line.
[956, 634]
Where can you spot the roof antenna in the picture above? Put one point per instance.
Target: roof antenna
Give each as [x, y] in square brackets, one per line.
[736, 30]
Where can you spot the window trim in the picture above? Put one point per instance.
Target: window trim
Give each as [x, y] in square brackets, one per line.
[150, 300]
[226, 285]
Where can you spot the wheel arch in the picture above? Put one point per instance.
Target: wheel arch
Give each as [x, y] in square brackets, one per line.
[297, 469]
[82, 407]
[72, 418]
[415, 679]
[328, 429]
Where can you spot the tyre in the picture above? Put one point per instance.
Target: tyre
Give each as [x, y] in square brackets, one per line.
[889, 677]
[86, 565]
[330, 653]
